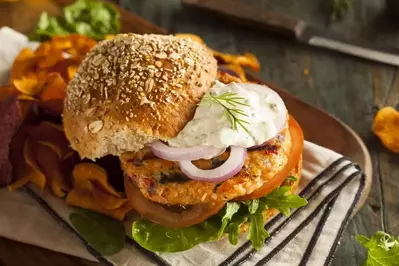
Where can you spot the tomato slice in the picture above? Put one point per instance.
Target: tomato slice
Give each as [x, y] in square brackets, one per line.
[165, 217]
[297, 140]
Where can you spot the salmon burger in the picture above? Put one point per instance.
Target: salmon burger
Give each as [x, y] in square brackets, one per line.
[204, 154]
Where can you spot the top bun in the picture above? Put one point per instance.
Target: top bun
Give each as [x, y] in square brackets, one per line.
[134, 89]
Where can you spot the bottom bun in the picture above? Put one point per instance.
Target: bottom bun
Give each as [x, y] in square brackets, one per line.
[269, 213]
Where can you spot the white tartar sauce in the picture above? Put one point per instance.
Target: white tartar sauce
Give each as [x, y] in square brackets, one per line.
[210, 126]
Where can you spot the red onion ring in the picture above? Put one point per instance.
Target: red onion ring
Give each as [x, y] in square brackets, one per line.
[165, 152]
[228, 169]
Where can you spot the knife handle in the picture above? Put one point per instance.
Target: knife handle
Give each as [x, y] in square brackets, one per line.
[250, 16]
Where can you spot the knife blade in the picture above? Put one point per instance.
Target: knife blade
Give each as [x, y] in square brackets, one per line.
[297, 29]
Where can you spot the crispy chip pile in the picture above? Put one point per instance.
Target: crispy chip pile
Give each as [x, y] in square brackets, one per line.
[37, 155]
[234, 63]
[92, 191]
[39, 151]
[386, 127]
[41, 76]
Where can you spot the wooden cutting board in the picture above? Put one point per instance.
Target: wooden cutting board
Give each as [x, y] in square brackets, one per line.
[318, 126]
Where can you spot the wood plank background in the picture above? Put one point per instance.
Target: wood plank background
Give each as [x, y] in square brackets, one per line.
[349, 88]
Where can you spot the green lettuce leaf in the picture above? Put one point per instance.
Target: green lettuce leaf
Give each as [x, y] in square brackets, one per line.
[228, 221]
[383, 249]
[104, 234]
[158, 238]
[92, 18]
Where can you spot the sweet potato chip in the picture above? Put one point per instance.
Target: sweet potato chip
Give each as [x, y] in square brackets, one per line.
[25, 168]
[235, 70]
[89, 201]
[246, 60]
[50, 61]
[95, 174]
[92, 191]
[39, 178]
[50, 165]
[84, 186]
[24, 97]
[50, 135]
[28, 86]
[53, 88]
[107, 201]
[43, 50]
[386, 127]
[23, 64]
[25, 108]
[71, 71]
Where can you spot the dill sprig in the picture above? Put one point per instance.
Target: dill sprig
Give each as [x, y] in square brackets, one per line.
[230, 102]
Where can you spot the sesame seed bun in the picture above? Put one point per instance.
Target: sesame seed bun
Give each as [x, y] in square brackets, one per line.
[134, 89]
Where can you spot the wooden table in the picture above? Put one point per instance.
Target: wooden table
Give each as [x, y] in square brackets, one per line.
[349, 88]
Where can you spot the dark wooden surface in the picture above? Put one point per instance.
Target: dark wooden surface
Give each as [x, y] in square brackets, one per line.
[349, 88]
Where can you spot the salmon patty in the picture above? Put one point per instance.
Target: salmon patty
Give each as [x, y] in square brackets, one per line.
[163, 182]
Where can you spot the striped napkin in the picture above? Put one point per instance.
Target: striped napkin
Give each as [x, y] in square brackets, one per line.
[331, 183]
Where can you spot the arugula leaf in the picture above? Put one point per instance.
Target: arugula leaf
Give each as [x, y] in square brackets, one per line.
[233, 228]
[104, 234]
[282, 201]
[257, 232]
[92, 18]
[230, 209]
[253, 206]
[383, 249]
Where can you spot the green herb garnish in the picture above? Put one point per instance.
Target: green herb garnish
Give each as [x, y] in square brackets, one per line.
[228, 221]
[383, 249]
[230, 102]
[91, 18]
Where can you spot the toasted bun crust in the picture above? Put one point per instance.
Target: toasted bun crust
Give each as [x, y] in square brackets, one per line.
[133, 89]
[269, 213]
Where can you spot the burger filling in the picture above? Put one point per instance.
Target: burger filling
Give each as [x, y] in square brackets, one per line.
[235, 163]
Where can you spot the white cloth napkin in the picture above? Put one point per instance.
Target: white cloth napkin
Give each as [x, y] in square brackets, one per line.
[332, 184]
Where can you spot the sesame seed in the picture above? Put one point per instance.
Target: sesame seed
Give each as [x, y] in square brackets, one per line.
[87, 100]
[90, 111]
[96, 126]
[158, 64]
[161, 55]
[149, 84]
[106, 92]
